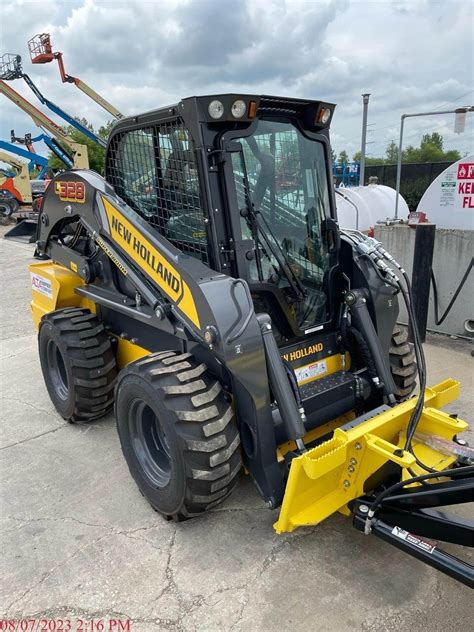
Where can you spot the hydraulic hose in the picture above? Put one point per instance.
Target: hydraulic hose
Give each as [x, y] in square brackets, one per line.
[374, 251]
[466, 471]
[421, 363]
[439, 320]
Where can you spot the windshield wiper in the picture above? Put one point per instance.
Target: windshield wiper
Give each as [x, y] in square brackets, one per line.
[256, 219]
[279, 254]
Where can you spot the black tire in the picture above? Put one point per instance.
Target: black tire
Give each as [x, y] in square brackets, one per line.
[402, 363]
[78, 364]
[37, 203]
[7, 208]
[15, 205]
[178, 434]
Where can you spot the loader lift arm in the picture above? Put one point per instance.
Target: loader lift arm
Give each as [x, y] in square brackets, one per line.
[41, 52]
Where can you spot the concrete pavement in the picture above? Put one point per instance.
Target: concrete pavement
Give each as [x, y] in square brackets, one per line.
[79, 541]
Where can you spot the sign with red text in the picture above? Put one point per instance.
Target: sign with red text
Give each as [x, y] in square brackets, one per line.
[449, 200]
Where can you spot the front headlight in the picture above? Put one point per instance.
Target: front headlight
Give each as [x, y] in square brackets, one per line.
[239, 108]
[324, 115]
[215, 109]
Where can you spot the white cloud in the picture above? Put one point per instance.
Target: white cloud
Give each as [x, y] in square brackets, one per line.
[411, 55]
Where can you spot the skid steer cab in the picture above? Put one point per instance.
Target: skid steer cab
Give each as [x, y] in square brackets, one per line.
[204, 289]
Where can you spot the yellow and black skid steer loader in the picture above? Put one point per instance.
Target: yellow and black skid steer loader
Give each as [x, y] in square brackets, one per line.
[205, 290]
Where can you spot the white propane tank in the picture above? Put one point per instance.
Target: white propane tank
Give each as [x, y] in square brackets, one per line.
[374, 203]
[449, 200]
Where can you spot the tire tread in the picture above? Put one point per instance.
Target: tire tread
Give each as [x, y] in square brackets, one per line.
[204, 422]
[402, 363]
[90, 355]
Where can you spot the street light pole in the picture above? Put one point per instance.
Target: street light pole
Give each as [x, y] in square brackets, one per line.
[400, 143]
[399, 163]
[365, 98]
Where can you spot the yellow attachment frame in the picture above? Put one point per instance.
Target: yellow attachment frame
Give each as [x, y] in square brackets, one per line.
[325, 478]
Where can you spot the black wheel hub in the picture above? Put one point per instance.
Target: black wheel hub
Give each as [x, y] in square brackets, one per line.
[150, 443]
[57, 370]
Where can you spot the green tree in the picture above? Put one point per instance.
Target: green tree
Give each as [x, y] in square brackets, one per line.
[95, 152]
[453, 155]
[104, 130]
[391, 153]
[369, 160]
[343, 157]
[333, 155]
[430, 150]
[434, 139]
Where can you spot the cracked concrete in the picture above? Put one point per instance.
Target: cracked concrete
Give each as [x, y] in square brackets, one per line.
[78, 540]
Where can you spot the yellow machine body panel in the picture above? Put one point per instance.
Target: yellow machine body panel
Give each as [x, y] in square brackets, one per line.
[325, 478]
[54, 287]
[128, 352]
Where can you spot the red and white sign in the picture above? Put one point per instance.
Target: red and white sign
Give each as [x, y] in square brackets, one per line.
[466, 171]
[449, 200]
[466, 186]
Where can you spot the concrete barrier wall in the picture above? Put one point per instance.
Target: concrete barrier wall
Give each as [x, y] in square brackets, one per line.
[452, 254]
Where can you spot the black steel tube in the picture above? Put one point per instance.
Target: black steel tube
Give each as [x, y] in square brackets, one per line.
[279, 382]
[430, 523]
[442, 561]
[421, 276]
[452, 492]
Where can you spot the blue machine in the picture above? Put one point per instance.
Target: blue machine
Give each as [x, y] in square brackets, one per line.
[50, 142]
[35, 160]
[346, 173]
[64, 115]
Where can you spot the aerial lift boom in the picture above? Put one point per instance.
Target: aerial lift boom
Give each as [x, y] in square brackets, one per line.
[80, 159]
[19, 185]
[53, 145]
[35, 160]
[41, 52]
[11, 68]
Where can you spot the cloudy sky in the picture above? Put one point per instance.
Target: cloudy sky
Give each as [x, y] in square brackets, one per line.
[411, 55]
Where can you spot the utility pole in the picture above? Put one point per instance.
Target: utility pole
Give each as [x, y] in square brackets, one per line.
[365, 98]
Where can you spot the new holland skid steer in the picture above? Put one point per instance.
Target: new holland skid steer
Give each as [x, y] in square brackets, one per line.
[205, 289]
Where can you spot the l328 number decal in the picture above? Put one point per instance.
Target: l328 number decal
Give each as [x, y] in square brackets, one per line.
[71, 191]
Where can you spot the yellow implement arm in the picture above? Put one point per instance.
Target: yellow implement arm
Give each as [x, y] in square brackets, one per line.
[324, 479]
